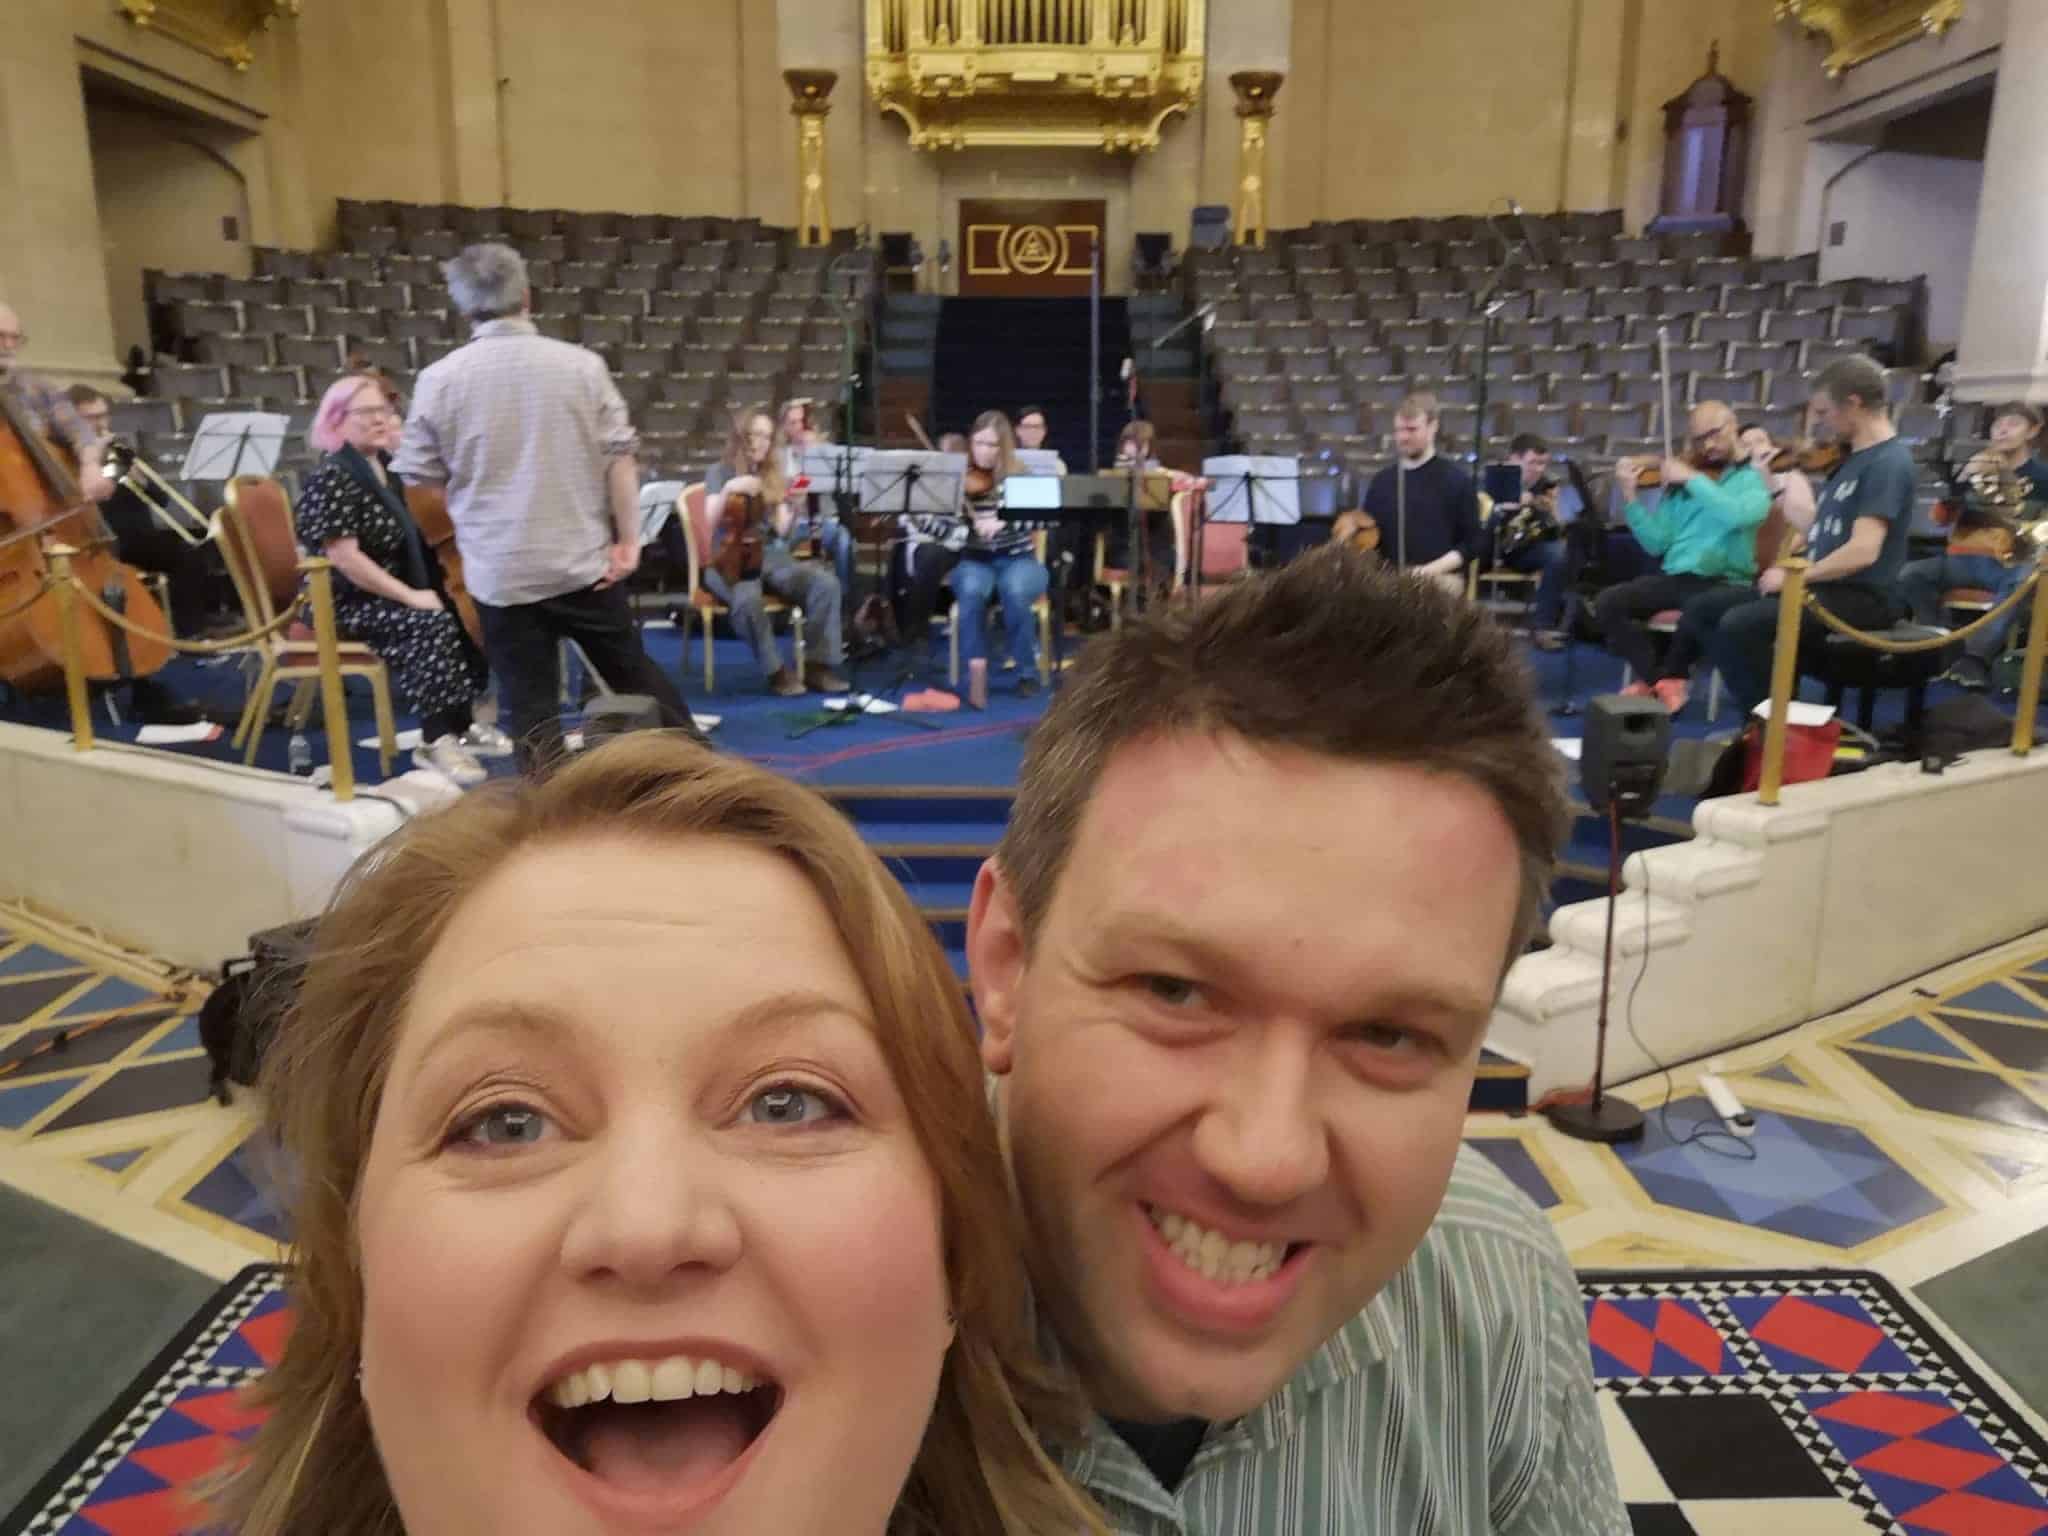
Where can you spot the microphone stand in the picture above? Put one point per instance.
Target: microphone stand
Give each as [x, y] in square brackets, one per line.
[1488, 306]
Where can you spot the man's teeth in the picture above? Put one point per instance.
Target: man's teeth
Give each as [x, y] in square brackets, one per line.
[1213, 1255]
[643, 1381]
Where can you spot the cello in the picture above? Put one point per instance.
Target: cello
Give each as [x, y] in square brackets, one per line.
[428, 505]
[39, 496]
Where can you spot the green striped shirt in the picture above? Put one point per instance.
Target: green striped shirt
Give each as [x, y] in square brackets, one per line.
[1459, 1401]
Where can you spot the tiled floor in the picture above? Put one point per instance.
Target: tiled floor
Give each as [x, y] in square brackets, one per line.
[1907, 1135]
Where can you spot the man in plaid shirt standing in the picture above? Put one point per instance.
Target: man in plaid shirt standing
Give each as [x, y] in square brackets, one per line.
[532, 441]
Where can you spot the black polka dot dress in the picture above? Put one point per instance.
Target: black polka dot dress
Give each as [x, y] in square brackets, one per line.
[432, 663]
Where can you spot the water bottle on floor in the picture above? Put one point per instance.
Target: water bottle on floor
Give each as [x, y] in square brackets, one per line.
[299, 755]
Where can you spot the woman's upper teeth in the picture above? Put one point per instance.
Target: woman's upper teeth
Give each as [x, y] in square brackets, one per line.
[640, 1381]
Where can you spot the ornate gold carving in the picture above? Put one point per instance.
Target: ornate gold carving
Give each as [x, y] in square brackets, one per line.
[811, 90]
[1255, 89]
[220, 29]
[1097, 73]
[1862, 29]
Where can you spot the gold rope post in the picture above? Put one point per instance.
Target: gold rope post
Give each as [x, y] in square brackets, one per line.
[1255, 89]
[340, 751]
[2030, 672]
[74, 662]
[1784, 679]
[812, 90]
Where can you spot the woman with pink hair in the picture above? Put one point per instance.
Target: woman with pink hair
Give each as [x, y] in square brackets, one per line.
[352, 510]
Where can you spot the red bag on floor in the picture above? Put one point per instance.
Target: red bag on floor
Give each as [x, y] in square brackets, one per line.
[1809, 752]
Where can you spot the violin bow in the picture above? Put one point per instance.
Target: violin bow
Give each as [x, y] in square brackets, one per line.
[1664, 382]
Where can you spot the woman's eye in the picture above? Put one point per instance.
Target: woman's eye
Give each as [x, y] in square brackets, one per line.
[1174, 991]
[502, 1125]
[791, 1104]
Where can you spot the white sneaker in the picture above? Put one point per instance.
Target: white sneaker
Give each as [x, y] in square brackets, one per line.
[452, 760]
[487, 741]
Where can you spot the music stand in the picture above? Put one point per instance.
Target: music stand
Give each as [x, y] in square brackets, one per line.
[897, 483]
[1257, 489]
[231, 443]
[1040, 461]
[833, 470]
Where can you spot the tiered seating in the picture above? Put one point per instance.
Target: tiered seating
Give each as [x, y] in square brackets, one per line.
[696, 316]
[1320, 335]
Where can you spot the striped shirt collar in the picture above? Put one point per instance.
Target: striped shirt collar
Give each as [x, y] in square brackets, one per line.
[504, 325]
[1368, 1339]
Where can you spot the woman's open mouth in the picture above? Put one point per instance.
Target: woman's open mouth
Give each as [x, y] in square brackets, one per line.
[668, 1430]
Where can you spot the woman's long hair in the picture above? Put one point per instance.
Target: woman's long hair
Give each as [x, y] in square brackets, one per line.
[739, 454]
[313, 1466]
[1006, 442]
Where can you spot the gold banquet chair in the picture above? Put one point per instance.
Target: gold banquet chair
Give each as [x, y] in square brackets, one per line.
[1041, 607]
[260, 546]
[694, 509]
[1117, 578]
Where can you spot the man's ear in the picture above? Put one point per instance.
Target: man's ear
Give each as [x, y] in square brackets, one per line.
[995, 964]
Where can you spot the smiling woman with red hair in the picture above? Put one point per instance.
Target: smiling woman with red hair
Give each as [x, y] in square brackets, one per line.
[645, 1178]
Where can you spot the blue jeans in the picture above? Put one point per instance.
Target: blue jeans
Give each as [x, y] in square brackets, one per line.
[1017, 581]
[1545, 560]
[1923, 582]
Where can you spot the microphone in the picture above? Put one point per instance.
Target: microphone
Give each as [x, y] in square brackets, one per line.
[1125, 371]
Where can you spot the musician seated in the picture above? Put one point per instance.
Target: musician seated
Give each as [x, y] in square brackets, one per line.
[1136, 448]
[982, 555]
[818, 514]
[1702, 532]
[1546, 506]
[141, 538]
[753, 467]
[1858, 542]
[2002, 486]
[1426, 506]
[389, 594]
[52, 414]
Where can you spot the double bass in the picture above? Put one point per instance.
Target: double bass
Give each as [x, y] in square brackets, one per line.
[39, 498]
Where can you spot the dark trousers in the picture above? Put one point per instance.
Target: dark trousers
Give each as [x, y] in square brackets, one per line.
[522, 643]
[1697, 621]
[1743, 642]
[188, 568]
[925, 568]
[1622, 612]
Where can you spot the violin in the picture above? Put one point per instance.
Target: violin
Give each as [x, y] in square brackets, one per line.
[978, 482]
[1356, 529]
[740, 520]
[1814, 458]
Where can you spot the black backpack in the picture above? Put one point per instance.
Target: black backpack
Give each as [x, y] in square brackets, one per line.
[241, 1016]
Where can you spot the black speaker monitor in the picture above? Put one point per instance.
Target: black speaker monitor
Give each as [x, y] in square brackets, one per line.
[1623, 753]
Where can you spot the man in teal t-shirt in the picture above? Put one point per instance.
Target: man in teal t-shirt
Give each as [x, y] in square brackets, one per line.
[1857, 544]
[1702, 530]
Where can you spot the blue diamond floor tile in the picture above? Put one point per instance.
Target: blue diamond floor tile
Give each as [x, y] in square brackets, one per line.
[111, 993]
[1994, 997]
[1915, 1035]
[184, 1038]
[34, 959]
[1513, 1159]
[116, 1162]
[1809, 1179]
[22, 1103]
